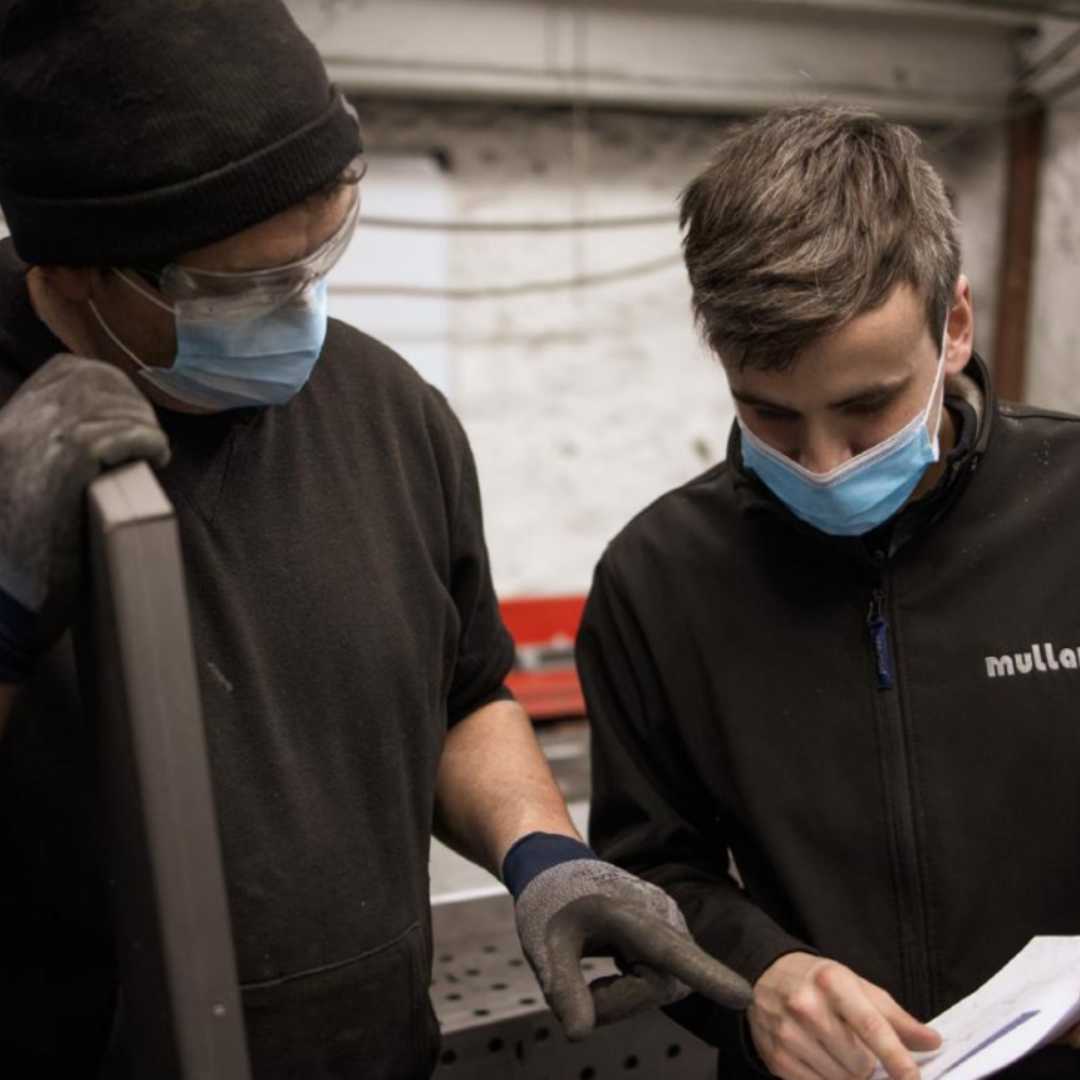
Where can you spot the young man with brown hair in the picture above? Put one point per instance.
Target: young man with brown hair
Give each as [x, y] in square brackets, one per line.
[788, 659]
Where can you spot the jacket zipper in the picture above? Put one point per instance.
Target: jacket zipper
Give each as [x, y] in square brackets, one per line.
[878, 625]
[911, 915]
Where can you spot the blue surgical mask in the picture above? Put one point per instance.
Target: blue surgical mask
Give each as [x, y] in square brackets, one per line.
[866, 490]
[243, 338]
[229, 363]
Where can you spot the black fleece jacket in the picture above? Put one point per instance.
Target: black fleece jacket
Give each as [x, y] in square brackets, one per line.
[881, 731]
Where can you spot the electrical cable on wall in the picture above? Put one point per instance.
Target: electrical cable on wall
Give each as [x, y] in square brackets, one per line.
[632, 221]
[577, 281]
[579, 147]
[576, 225]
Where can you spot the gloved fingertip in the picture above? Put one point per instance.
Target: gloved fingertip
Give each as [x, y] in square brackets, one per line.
[578, 1028]
[624, 995]
[572, 1004]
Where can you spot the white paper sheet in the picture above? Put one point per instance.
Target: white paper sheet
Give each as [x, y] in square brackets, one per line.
[1032, 1000]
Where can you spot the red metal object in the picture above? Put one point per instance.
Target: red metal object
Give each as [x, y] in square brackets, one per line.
[544, 678]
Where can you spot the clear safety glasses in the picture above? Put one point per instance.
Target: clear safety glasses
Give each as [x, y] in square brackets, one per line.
[245, 295]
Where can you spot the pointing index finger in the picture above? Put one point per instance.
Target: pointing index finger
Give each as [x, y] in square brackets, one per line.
[875, 1030]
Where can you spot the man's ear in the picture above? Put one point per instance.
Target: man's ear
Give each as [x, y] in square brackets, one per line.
[73, 283]
[961, 328]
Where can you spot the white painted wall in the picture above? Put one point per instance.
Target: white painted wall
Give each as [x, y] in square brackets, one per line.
[411, 186]
[583, 405]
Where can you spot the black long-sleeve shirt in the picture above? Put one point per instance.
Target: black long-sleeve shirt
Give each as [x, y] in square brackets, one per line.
[343, 618]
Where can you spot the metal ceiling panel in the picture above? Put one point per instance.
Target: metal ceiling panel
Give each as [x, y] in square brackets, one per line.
[918, 60]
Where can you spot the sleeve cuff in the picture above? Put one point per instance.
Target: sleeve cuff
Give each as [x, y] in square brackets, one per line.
[536, 852]
[458, 712]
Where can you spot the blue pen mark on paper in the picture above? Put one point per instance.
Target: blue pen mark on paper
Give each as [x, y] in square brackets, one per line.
[1012, 1025]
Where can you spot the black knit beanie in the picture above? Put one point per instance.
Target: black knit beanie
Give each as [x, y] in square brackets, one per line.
[135, 130]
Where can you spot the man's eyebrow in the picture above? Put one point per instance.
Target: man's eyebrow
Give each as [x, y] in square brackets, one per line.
[752, 399]
[881, 391]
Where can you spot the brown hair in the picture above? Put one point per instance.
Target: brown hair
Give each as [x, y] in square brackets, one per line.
[805, 218]
[353, 173]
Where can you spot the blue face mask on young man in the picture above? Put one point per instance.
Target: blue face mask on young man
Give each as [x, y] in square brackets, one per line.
[866, 490]
[242, 339]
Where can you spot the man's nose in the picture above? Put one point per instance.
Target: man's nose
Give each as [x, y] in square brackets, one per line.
[821, 452]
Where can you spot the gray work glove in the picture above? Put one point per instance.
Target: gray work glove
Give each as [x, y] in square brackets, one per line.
[70, 419]
[585, 906]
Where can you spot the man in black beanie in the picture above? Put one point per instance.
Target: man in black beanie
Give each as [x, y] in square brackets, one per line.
[178, 179]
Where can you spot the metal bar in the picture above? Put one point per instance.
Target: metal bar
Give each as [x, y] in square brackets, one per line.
[992, 12]
[181, 1007]
[1026, 127]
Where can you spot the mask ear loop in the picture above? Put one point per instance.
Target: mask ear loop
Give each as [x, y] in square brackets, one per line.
[113, 337]
[144, 292]
[939, 381]
[143, 366]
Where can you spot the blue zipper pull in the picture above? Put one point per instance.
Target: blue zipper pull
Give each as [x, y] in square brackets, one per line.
[878, 626]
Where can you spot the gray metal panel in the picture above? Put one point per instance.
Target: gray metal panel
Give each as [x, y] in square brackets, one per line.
[181, 998]
[923, 61]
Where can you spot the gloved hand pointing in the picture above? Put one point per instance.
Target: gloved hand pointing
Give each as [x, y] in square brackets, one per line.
[569, 903]
[69, 419]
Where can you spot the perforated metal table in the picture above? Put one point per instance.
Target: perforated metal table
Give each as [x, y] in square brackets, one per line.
[493, 1017]
[495, 1023]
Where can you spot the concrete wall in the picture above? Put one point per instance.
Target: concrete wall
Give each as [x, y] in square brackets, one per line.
[585, 404]
[972, 162]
